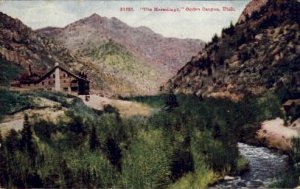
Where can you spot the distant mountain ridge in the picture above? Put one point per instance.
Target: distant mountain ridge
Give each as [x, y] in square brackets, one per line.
[27, 50]
[161, 53]
[256, 55]
[117, 58]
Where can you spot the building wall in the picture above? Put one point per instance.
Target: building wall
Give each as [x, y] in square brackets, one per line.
[48, 83]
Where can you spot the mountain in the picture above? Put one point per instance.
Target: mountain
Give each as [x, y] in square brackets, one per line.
[251, 7]
[24, 47]
[257, 54]
[23, 50]
[137, 55]
[111, 67]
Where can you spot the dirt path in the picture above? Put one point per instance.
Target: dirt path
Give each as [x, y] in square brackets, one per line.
[276, 135]
[126, 108]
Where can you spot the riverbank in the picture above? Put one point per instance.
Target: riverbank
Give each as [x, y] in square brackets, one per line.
[274, 134]
[265, 167]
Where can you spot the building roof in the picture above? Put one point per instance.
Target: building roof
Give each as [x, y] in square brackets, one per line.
[26, 79]
[291, 102]
[58, 66]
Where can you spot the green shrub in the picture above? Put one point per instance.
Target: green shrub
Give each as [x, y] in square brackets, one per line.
[12, 102]
[8, 72]
[147, 162]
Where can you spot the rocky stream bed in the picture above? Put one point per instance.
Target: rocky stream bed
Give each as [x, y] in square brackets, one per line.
[265, 167]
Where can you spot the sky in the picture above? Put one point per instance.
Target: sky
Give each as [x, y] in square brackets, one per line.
[182, 24]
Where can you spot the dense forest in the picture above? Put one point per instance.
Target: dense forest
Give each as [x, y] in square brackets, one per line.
[186, 142]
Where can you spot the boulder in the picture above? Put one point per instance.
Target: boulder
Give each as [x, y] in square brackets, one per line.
[227, 178]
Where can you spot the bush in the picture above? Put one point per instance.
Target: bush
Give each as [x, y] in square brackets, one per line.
[12, 102]
[8, 72]
[147, 163]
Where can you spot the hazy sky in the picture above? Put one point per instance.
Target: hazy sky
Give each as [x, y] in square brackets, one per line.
[182, 24]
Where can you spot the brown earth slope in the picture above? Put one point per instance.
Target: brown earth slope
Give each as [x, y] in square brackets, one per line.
[255, 55]
[142, 42]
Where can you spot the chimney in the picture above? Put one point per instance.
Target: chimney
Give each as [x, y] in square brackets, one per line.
[30, 71]
[57, 78]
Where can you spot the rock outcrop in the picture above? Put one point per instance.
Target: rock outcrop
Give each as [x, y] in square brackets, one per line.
[255, 55]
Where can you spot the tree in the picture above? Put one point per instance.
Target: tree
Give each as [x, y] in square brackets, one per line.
[12, 141]
[113, 153]
[27, 143]
[3, 164]
[94, 141]
[67, 174]
[171, 102]
[215, 38]
[230, 30]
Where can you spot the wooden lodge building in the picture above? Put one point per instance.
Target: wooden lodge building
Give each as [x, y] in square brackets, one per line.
[57, 79]
[291, 103]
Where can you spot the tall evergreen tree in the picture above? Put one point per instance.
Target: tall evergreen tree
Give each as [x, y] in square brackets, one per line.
[3, 164]
[12, 141]
[27, 143]
[171, 102]
[94, 140]
[113, 153]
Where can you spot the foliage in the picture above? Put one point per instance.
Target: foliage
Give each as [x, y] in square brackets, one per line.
[189, 146]
[94, 141]
[12, 102]
[171, 102]
[8, 72]
[147, 165]
[290, 179]
[130, 71]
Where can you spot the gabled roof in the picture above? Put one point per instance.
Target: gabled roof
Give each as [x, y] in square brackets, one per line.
[291, 102]
[65, 70]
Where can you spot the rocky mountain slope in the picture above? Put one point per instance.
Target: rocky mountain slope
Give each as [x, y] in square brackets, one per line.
[22, 50]
[260, 53]
[112, 69]
[251, 7]
[142, 42]
[21, 45]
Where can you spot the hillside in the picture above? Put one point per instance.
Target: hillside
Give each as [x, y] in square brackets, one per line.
[21, 45]
[255, 55]
[137, 55]
[21, 48]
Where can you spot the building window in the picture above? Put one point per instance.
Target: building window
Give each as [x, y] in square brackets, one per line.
[43, 83]
[28, 84]
[53, 75]
[49, 82]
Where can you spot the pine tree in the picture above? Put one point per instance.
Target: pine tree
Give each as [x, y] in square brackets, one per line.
[215, 38]
[3, 164]
[94, 140]
[113, 153]
[171, 102]
[67, 174]
[12, 141]
[27, 143]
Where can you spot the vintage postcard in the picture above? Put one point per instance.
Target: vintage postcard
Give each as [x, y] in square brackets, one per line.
[150, 94]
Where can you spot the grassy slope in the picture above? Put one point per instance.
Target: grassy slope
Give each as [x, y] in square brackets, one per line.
[116, 60]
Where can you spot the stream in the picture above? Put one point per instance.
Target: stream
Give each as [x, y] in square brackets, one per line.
[265, 166]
